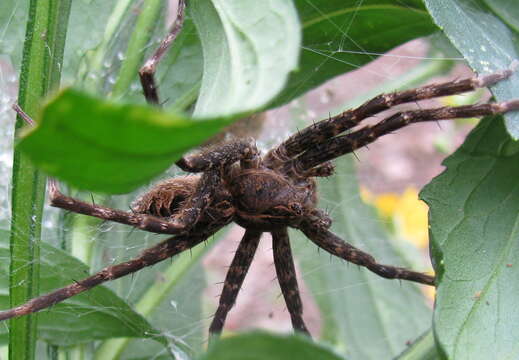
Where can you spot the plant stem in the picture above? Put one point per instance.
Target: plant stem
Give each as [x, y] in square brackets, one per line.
[40, 74]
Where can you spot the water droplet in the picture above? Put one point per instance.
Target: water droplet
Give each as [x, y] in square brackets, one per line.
[135, 86]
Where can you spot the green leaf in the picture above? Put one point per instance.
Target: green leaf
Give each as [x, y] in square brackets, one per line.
[391, 313]
[97, 314]
[80, 137]
[507, 10]
[474, 219]
[249, 47]
[260, 346]
[486, 43]
[342, 35]
[125, 143]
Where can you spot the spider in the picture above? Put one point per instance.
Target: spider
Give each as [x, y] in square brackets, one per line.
[234, 182]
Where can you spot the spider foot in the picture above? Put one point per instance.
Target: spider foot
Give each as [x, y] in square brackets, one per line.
[495, 77]
[506, 106]
[324, 170]
[319, 219]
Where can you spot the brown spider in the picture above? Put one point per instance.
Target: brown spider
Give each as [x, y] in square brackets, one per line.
[269, 193]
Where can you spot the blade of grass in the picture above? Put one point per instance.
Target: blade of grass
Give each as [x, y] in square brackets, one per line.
[90, 75]
[422, 349]
[40, 73]
[142, 33]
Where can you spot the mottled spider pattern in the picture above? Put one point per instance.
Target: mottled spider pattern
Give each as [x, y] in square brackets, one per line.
[271, 192]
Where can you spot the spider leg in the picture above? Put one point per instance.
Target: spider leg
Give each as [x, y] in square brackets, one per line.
[181, 222]
[190, 212]
[229, 153]
[151, 256]
[336, 246]
[333, 126]
[286, 273]
[234, 278]
[147, 71]
[220, 156]
[141, 221]
[323, 170]
[340, 145]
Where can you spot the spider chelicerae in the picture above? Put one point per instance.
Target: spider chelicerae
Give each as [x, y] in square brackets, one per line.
[233, 182]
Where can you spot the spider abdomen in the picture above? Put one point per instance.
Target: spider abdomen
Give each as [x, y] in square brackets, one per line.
[265, 199]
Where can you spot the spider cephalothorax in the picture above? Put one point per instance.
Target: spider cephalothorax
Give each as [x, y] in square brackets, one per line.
[269, 193]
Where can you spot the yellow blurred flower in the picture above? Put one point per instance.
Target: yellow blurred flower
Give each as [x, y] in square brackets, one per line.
[406, 212]
[408, 215]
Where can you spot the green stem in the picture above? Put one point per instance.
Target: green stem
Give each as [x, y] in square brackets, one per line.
[40, 74]
[141, 36]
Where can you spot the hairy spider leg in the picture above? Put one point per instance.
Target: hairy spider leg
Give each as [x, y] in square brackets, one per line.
[336, 246]
[286, 273]
[142, 221]
[333, 126]
[147, 71]
[163, 250]
[219, 155]
[234, 278]
[340, 145]
[197, 203]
